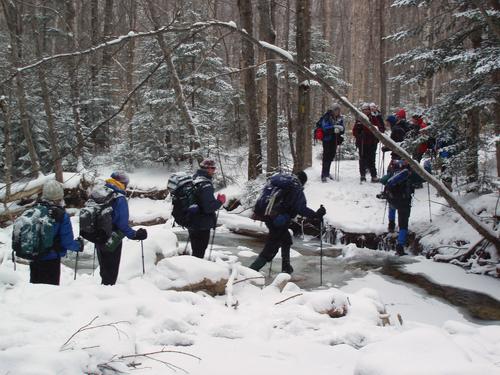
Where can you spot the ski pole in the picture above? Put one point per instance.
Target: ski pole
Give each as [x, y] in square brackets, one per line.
[321, 253]
[14, 259]
[142, 251]
[213, 236]
[429, 200]
[76, 264]
[93, 262]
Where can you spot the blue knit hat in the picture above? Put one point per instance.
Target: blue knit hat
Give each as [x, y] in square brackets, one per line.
[121, 176]
[391, 119]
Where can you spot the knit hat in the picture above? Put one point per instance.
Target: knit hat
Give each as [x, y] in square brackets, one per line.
[302, 176]
[365, 106]
[207, 163]
[401, 114]
[335, 106]
[53, 191]
[121, 176]
[391, 119]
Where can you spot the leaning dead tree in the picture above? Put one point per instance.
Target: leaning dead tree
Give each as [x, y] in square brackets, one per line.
[195, 28]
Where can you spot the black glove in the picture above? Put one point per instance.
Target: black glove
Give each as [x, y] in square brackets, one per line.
[320, 212]
[141, 234]
[82, 244]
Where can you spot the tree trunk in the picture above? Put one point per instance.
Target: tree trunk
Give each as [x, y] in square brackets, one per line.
[176, 82]
[303, 139]
[73, 81]
[288, 88]
[248, 59]
[129, 114]
[382, 54]
[268, 34]
[8, 152]
[103, 134]
[13, 20]
[53, 141]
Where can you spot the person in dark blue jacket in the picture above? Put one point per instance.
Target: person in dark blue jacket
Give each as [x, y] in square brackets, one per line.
[109, 261]
[204, 217]
[293, 204]
[47, 270]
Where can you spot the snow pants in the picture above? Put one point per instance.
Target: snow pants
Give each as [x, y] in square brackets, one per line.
[45, 271]
[329, 150]
[403, 208]
[367, 156]
[279, 237]
[199, 242]
[109, 263]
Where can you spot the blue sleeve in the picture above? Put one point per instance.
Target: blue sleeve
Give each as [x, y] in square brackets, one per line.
[207, 201]
[120, 217]
[66, 235]
[301, 206]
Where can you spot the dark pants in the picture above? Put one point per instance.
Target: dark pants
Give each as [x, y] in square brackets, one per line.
[367, 155]
[199, 242]
[45, 271]
[403, 208]
[278, 237]
[329, 150]
[109, 263]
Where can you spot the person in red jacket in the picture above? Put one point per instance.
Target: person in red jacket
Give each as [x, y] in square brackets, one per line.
[418, 124]
[366, 143]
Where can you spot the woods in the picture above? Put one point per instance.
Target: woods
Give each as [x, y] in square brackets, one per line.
[151, 83]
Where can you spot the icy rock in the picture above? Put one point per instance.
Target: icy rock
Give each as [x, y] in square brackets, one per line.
[187, 273]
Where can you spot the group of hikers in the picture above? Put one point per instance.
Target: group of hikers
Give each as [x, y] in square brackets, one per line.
[43, 234]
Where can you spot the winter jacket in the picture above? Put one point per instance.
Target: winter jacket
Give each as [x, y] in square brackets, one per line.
[63, 236]
[120, 209]
[363, 135]
[205, 218]
[401, 194]
[294, 202]
[326, 126]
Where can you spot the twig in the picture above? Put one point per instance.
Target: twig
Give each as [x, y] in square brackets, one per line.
[286, 299]
[248, 278]
[158, 352]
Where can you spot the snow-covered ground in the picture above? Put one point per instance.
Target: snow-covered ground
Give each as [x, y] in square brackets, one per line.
[215, 335]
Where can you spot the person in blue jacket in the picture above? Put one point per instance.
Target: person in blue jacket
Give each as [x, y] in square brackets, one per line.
[47, 270]
[203, 219]
[109, 261]
[294, 203]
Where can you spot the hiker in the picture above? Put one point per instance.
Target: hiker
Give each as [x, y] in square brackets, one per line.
[47, 269]
[366, 143]
[109, 259]
[329, 130]
[418, 126]
[291, 202]
[203, 217]
[399, 187]
[375, 112]
[398, 132]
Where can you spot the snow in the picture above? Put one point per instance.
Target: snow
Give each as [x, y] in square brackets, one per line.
[278, 50]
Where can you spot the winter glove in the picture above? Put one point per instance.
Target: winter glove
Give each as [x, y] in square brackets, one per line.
[321, 212]
[82, 244]
[141, 234]
[221, 198]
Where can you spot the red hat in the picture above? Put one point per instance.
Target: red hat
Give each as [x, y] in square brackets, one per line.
[401, 114]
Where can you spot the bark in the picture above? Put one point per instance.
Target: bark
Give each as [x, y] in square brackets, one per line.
[73, 81]
[179, 92]
[288, 88]
[8, 152]
[53, 141]
[382, 54]
[13, 20]
[248, 59]
[268, 34]
[129, 113]
[303, 139]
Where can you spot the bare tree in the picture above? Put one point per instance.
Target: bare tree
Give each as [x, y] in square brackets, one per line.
[248, 60]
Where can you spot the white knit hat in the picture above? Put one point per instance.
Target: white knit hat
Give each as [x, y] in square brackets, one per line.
[53, 191]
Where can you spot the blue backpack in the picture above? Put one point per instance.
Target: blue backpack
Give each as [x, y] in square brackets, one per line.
[272, 200]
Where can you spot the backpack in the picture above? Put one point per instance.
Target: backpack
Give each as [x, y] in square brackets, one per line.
[96, 220]
[272, 200]
[33, 232]
[399, 185]
[182, 189]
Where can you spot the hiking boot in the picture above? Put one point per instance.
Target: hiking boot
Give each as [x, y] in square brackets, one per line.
[400, 250]
[286, 267]
[323, 179]
[362, 179]
[391, 227]
[375, 179]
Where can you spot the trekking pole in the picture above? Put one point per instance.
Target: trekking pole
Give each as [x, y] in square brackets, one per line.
[383, 163]
[93, 261]
[76, 264]
[270, 267]
[321, 253]
[429, 200]
[142, 251]
[187, 243]
[14, 259]
[213, 236]
[385, 209]
[338, 165]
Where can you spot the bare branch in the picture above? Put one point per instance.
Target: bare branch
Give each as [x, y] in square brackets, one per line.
[286, 299]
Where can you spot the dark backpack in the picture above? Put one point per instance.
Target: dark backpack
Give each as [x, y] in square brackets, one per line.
[182, 189]
[33, 231]
[272, 200]
[399, 185]
[96, 217]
